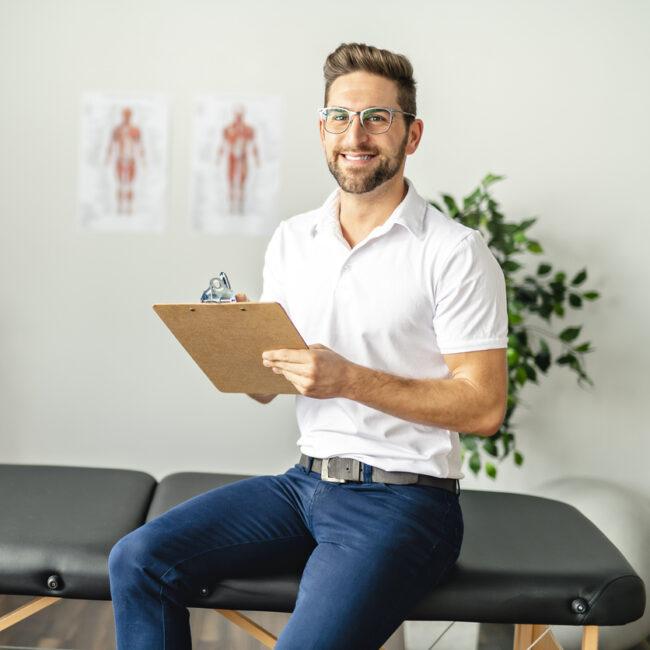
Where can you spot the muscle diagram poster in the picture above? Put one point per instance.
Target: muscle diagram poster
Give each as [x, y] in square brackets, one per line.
[123, 162]
[236, 164]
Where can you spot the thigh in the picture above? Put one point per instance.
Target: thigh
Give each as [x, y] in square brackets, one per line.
[380, 550]
[245, 528]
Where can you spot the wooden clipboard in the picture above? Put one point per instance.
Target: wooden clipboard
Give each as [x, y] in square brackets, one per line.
[227, 340]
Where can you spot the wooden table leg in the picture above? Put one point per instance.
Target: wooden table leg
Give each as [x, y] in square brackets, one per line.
[249, 626]
[539, 635]
[27, 610]
[590, 637]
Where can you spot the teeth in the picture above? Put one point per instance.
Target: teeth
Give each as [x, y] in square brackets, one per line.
[351, 157]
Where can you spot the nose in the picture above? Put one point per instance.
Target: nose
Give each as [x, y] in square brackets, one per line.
[355, 130]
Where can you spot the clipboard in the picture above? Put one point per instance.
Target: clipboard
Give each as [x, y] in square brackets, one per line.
[227, 340]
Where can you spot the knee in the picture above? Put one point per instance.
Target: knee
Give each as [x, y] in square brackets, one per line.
[131, 557]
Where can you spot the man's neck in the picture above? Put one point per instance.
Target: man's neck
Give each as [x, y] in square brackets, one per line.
[360, 214]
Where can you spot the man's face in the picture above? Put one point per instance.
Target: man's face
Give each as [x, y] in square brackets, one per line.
[359, 161]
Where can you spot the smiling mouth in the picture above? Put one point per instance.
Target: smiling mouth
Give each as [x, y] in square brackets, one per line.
[357, 157]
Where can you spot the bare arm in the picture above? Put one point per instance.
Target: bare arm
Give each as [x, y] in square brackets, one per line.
[473, 400]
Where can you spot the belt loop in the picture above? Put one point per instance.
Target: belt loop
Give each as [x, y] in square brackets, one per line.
[367, 473]
[310, 462]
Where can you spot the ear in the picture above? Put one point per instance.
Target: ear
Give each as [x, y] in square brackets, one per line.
[321, 130]
[414, 137]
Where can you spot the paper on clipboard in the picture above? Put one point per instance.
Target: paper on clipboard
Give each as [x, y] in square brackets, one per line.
[227, 340]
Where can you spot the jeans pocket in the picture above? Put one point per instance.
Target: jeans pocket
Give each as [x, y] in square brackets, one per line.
[435, 508]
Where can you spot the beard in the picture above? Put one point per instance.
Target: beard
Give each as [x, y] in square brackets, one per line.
[362, 181]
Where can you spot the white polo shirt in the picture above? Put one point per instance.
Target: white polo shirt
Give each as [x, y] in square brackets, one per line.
[419, 286]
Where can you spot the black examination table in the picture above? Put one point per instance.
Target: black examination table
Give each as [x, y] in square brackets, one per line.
[525, 560]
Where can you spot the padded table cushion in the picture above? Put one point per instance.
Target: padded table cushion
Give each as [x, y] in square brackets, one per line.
[524, 559]
[63, 521]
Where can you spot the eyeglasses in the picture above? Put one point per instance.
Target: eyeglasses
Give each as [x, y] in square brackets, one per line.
[375, 120]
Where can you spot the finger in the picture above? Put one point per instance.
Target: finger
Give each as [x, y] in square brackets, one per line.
[241, 297]
[300, 383]
[297, 369]
[292, 356]
[318, 346]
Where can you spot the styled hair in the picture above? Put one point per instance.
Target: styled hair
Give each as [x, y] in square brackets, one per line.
[359, 57]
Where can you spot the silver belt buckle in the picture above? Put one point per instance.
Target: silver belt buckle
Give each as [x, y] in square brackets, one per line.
[324, 468]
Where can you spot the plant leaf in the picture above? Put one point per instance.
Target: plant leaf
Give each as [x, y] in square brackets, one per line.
[451, 204]
[470, 442]
[490, 470]
[591, 295]
[526, 224]
[521, 376]
[544, 269]
[510, 265]
[489, 446]
[570, 334]
[543, 358]
[512, 356]
[535, 247]
[472, 199]
[579, 278]
[475, 462]
[491, 178]
[575, 300]
[519, 459]
[530, 372]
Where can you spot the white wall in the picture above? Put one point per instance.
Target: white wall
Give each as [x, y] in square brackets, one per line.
[553, 94]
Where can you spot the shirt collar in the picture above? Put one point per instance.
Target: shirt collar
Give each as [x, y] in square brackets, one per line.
[328, 214]
[410, 213]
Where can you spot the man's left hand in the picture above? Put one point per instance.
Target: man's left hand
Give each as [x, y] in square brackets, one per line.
[317, 372]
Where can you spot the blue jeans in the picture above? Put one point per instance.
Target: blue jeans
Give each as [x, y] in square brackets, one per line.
[368, 551]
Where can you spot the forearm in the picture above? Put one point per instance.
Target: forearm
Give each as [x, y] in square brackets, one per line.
[473, 400]
[456, 403]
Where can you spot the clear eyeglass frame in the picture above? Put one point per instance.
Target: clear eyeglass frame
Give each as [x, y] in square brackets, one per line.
[374, 112]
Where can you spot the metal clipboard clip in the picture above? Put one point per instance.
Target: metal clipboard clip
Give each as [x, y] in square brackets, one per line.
[219, 290]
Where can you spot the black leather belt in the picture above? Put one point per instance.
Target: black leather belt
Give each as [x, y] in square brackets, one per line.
[344, 470]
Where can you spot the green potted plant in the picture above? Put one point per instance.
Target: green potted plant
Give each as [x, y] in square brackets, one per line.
[536, 303]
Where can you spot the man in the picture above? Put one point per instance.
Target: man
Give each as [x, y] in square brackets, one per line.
[406, 312]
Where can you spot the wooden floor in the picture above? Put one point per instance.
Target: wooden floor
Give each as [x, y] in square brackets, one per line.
[88, 625]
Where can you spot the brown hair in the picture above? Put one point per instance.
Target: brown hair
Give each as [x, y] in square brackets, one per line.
[355, 57]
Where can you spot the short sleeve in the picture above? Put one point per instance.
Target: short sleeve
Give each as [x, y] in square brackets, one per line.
[470, 311]
[272, 275]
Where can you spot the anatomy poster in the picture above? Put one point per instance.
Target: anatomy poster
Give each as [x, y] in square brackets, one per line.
[236, 164]
[123, 162]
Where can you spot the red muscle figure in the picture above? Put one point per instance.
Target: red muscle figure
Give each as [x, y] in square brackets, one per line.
[125, 144]
[237, 138]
